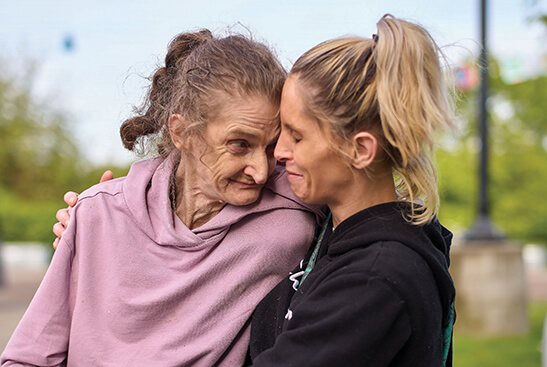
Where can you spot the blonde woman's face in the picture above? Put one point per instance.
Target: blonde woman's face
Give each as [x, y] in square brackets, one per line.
[316, 174]
[237, 159]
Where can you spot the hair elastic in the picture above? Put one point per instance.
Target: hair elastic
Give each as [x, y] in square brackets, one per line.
[375, 38]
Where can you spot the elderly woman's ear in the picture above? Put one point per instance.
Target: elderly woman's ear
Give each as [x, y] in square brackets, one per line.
[177, 126]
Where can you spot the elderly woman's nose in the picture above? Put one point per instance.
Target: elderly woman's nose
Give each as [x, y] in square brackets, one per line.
[258, 167]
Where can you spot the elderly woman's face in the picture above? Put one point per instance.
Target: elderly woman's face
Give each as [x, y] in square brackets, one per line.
[238, 160]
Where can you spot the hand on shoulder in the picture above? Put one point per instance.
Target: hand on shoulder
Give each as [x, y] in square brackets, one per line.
[71, 198]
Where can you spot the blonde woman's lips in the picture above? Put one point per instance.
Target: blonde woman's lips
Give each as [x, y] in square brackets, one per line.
[291, 176]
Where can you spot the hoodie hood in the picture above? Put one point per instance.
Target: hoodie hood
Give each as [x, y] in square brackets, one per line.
[431, 241]
[146, 192]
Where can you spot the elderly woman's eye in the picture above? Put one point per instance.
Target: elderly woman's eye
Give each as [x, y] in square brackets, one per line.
[239, 144]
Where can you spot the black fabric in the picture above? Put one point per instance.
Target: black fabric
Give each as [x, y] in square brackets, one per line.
[378, 296]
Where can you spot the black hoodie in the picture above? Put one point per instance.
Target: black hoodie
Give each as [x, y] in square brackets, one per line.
[380, 294]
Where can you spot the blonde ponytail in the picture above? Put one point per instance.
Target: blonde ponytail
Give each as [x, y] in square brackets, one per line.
[414, 104]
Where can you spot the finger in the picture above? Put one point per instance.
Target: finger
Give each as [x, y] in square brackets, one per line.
[107, 176]
[71, 198]
[58, 229]
[56, 243]
[63, 216]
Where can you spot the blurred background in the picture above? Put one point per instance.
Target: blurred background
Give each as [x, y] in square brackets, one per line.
[72, 71]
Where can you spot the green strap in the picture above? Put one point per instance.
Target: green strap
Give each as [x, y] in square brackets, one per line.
[447, 334]
[313, 258]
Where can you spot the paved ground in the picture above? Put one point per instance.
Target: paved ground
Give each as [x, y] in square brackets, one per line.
[21, 285]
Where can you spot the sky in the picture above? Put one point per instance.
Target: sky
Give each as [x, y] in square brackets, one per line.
[92, 57]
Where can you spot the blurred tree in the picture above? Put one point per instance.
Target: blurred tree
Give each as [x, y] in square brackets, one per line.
[536, 11]
[38, 155]
[2, 272]
[518, 168]
[39, 159]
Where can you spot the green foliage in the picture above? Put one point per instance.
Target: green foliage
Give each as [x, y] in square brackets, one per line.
[32, 219]
[457, 188]
[38, 156]
[39, 160]
[522, 351]
[517, 164]
[27, 220]
[528, 100]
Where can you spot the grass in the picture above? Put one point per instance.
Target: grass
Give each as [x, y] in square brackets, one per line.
[520, 351]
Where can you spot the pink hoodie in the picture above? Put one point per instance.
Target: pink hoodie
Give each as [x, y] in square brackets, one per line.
[131, 285]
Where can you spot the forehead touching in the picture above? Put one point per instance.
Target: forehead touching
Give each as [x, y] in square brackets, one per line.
[297, 116]
[293, 104]
[251, 118]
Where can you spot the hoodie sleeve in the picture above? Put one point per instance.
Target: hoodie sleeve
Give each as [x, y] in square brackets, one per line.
[41, 338]
[334, 325]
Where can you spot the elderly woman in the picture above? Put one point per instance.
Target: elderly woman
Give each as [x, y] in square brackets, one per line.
[165, 266]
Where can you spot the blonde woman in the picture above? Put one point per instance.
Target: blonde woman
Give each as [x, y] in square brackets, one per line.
[358, 117]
